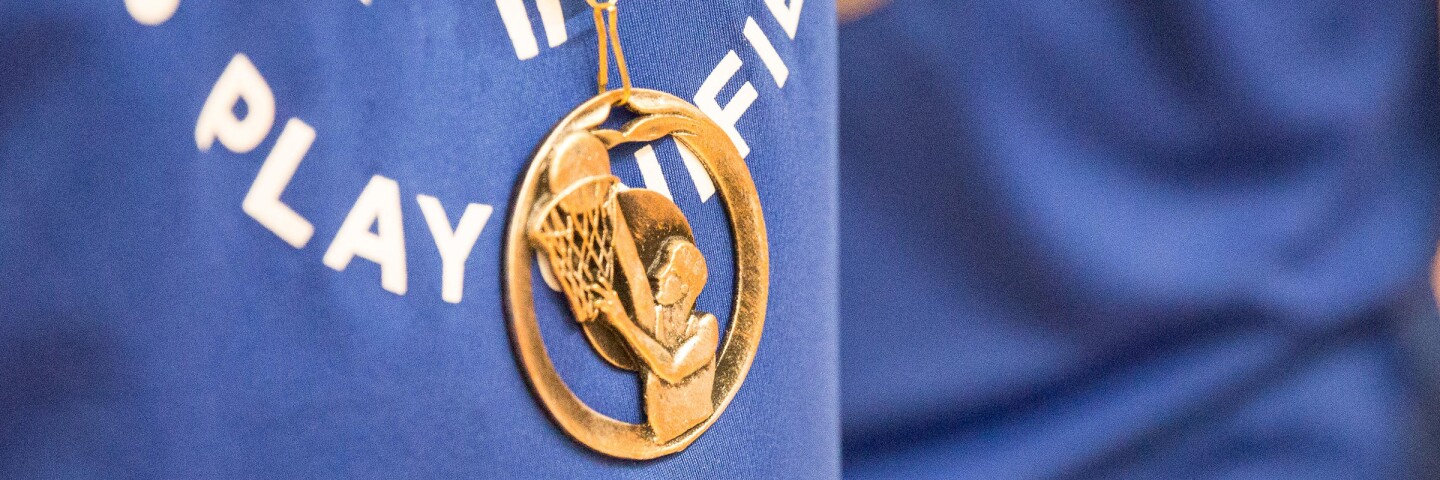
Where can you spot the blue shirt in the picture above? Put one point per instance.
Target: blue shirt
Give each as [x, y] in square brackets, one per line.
[156, 323]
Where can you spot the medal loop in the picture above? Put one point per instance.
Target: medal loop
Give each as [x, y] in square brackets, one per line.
[614, 33]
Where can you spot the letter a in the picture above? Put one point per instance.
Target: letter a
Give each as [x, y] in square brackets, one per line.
[379, 205]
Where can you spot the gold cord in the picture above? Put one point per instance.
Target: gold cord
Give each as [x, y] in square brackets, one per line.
[604, 74]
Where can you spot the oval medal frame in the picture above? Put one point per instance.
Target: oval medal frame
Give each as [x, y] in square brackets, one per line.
[658, 114]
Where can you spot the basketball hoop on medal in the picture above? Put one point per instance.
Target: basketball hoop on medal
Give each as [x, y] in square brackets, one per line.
[576, 234]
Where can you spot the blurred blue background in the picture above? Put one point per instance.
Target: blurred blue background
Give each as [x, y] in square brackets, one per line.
[1184, 239]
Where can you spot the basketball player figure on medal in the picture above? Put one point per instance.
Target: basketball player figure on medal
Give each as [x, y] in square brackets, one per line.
[586, 228]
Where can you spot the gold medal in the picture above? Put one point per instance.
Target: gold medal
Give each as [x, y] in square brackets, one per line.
[627, 263]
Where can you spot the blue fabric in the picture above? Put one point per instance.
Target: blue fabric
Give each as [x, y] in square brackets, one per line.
[1135, 239]
[150, 328]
